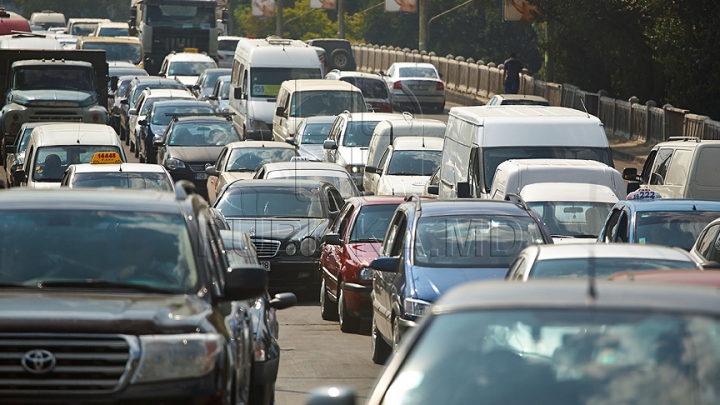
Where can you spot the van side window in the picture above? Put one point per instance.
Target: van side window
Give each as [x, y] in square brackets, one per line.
[646, 170]
[679, 170]
[235, 78]
[473, 173]
[705, 174]
[659, 171]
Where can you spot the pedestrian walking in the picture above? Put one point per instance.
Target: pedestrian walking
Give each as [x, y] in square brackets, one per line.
[511, 74]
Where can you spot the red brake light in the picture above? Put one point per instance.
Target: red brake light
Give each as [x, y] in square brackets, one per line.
[440, 86]
[220, 57]
[397, 85]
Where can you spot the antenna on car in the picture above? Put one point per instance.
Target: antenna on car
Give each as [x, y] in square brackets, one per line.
[584, 108]
[416, 198]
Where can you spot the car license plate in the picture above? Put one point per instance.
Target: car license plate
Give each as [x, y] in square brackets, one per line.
[266, 265]
[200, 176]
[418, 87]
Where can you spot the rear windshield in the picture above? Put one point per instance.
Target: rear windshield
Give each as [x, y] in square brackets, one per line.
[672, 228]
[359, 133]
[414, 163]
[269, 202]
[113, 32]
[227, 44]
[314, 103]
[163, 115]
[423, 72]
[141, 181]
[189, 68]
[604, 266]
[118, 52]
[315, 133]
[203, 134]
[142, 86]
[252, 159]
[371, 88]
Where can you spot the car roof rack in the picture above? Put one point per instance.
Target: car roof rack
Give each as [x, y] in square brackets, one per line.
[409, 198]
[684, 138]
[518, 200]
[175, 116]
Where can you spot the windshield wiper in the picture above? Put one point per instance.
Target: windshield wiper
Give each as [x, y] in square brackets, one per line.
[366, 240]
[90, 283]
[562, 236]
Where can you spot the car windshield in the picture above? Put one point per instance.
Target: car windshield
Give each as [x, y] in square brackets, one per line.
[142, 86]
[604, 266]
[203, 134]
[315, 134]
[227, 44]
[113, 32]
[575, 219]
[84, 29]
[372, 222]
[128, 180]
[168, 15]
[359, 133]
[313, 103]
[265, 82]
[150, 101]
[118, 52]
[183, 68]
[51, 161]
[340, 179]
[163, 115]
[473, 241]
[24, 138]
[492, 157]
[371, 88]
[418, 71]
[561, 357]
[271, 202]
[162, 255]
[225, 91]
[252, 159]
[414, 162]
[672, 228]
[60, 78]
[212, 75]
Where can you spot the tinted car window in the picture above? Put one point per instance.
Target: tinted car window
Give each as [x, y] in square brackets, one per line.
[478, 241]
[371, 88]
[313, 103]
[372, 223]
[315, 133]
[149, 181]
[679, 228]
[227, 44]
[553, 357]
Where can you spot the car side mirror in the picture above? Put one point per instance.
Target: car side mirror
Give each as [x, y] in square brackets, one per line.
[283, 300]
[632, 187]
[381, 73]
[124, 102]
[211, 97]
[367, 193]
[329, 144]
[463, 189]
[710, 265]
[132, 111]
[389, 264]
[433, 189]
[244, 283]
[333, 239]
[238, 94]
[212, 171]
[19, 175]
[142, 122]
[370, 169]
[331, 396]
[290, 140]
[196, 87]
[629, 173]
[225, 16]
[280, 112]
[157, 140]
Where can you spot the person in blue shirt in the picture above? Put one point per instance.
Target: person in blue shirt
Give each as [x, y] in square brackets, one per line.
[511, 74]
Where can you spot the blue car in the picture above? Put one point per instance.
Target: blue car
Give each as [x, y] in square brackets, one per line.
[433, 245]
[664, 221]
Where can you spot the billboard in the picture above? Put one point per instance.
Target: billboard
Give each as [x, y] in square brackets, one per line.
[263, 8]
[326, 4]
[401, 6]
[518, 10]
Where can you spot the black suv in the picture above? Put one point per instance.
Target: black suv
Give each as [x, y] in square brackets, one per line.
[338, 53]
[120, 297]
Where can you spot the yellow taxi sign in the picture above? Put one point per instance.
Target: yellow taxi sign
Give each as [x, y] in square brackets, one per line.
[106, 158]
[192, 50]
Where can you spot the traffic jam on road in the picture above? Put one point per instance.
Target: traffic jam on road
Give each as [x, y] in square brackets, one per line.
[488, 254]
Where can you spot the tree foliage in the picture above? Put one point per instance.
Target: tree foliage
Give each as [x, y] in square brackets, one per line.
[117, 10]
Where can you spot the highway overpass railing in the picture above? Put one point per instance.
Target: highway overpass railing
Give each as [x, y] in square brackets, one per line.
[473, 82]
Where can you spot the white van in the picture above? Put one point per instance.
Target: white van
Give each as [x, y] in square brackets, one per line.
[478, 139]
[513, 175]
[53, 147]
[299, 99]
[47, 19]
[258, 69]
[385, 134]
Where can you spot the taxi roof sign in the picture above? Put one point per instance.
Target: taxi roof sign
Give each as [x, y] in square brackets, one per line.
[643, 193]
[191, 50]
[106, 158]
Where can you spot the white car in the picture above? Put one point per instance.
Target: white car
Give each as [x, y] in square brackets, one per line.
[407, 165]
[572, 212]
[226, 50]
[142, 107]
[186, 66]
[136, 176]
[415, 87]
[577, 261]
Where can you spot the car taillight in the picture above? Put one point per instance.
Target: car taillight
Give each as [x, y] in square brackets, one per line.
[220, 57]
[397, 85]
[440, 86]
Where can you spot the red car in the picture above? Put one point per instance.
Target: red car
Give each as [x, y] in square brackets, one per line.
[352, 242]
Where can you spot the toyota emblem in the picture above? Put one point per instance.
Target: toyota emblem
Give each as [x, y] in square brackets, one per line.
[38, 361]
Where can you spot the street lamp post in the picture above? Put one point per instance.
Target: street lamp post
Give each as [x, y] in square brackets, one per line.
[424, 43]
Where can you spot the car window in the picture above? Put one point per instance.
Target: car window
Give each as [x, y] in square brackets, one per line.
[252, 159]
[163, 115]
[203, 134]
[345, 220]
[621, 235]
[372, 223]
[517, 268]
[603, 266]
[680, 168]
[418, 71]
[705, 174]
[51, 161]
[330, 102]
[672, 228]
[270, 202]
[336, 200]
[414, 162]
[612, 224]
[124, 180]
[314, 134]
[659, 170]
[707, 244]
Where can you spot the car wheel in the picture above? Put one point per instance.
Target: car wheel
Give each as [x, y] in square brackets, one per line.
[348, 323]
[380, 349]
[340, 59]
[328, 309]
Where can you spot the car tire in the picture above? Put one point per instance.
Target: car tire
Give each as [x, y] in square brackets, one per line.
[328, 309]
[340, 59]
[380, 349]
[348, 323]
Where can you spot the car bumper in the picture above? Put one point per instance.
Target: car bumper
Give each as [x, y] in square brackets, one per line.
[200, 184]
[288, 274]
[357, 299]
[265, 372]
[422, 99]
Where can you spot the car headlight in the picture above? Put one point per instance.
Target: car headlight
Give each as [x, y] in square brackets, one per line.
[353, 168]
[175, 357]
[259, 354]
[173, 164]
[257, 124]
[366, 274]
[291, 249]
[308, 246]
[416, 307]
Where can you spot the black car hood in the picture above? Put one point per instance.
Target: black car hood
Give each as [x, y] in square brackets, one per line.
[279, 228]
[100, 312]
[195, 153]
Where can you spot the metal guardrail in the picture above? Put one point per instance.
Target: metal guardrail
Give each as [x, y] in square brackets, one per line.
[477, 82]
